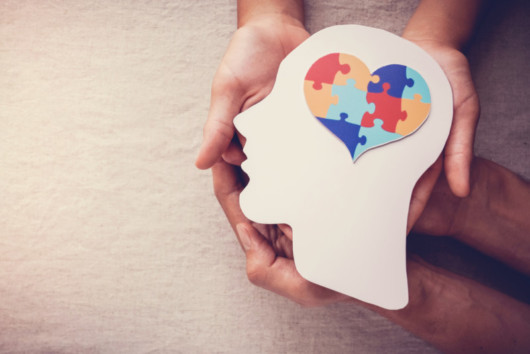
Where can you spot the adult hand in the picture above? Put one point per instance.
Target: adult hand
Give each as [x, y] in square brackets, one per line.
[245, 76]
[468, 316]
[268, 248]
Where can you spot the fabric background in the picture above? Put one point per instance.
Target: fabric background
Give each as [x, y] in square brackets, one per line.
[111, 241]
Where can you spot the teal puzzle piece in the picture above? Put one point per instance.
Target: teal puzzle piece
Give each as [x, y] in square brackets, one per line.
[419, 88]
[352, 102]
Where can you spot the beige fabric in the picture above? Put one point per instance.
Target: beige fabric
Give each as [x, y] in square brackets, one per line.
[110, 240]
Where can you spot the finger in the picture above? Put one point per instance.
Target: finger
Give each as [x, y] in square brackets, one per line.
[234, 154]
[286, 229]
[227, 186]
[279, 274]
[422, 191]
[458, 155]
[225, 104]
[242, 139]
[458, 152]
[273, 234]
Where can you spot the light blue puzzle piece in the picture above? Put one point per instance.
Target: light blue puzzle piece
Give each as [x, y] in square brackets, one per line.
[419, 88]
[375, 136]
[352, 101]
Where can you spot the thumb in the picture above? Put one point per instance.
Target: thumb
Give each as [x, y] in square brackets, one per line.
[219, 128]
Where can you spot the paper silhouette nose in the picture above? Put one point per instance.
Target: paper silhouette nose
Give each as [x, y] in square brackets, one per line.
[366, 110]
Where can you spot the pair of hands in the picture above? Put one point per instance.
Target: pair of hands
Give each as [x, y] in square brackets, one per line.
[246, 76]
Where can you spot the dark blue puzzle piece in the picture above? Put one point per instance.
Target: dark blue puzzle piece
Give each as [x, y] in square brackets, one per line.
[395, 75]
[347, 132]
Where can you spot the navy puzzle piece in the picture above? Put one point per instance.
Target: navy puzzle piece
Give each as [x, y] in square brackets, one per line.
[395, 75]
[347, 132]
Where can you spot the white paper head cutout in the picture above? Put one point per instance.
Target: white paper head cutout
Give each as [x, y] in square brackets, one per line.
[348, 210]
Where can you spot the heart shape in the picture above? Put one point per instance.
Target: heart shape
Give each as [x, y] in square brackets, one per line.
[366, 110]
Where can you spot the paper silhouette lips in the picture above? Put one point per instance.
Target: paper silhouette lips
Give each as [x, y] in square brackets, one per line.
[366, 110]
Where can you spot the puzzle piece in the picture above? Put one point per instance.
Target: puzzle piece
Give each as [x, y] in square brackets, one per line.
[387, 108]
[324, 70]
[348, 133]
[417, 112]
[319, 100]
[352, 101]
[396, 76]
[357, 71]
[365, 110]
[420, 87]
[375, 136]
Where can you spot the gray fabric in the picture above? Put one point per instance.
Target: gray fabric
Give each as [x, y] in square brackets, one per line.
[111, 241]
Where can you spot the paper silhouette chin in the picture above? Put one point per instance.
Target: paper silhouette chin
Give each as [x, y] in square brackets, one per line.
[348, 218]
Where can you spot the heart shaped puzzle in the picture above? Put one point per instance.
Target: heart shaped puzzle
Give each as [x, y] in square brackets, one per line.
[366, 110]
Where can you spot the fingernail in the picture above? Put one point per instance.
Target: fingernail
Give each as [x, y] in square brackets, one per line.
[244, 236]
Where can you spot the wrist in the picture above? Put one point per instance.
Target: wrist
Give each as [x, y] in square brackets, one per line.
[470, 214]
[287, 12]
[449, 23]
[427, 290]
[270, 18]
[457, 314]
[427, 39]
[480, 214]
[494, 219]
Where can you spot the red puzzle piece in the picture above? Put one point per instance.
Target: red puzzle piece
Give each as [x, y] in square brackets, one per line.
[324, 70]
[387, 108]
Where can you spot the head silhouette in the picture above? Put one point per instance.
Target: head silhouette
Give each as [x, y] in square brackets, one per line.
[348, 212]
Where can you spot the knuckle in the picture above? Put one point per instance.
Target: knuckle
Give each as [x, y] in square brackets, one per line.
[219, 126]
[254, 274]
[218, 87]
[223, 81]
[225, 128]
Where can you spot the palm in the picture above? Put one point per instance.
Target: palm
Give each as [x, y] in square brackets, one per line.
[253, 57]
[278, 237]
[246, 75]
[270, 262]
